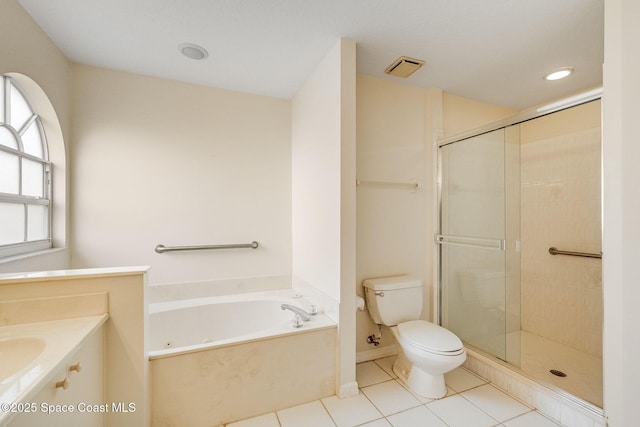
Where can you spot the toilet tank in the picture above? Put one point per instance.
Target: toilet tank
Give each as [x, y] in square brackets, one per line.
[393, 300]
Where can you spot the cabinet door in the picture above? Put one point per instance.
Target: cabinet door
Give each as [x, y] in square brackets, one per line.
[82, 403]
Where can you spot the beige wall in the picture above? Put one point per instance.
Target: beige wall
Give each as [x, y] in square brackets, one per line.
[156, 161]
[315, 166]
[561, 206]
[393, 221]
[323, 196]
[464, 114]
[397, 130]
[621, 242]
[26, 49]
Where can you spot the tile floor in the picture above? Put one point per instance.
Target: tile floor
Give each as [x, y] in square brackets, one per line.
[383, 401]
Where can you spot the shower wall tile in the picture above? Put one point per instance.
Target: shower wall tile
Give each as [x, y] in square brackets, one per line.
[560, 206]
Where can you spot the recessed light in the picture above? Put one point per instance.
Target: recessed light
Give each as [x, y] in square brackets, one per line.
[560, 73]
[193, 51]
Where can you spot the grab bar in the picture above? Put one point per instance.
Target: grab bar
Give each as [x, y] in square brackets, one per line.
[162, 248]
[556, 251]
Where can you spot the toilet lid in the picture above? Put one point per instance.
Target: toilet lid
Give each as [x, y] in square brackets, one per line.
[430, 337]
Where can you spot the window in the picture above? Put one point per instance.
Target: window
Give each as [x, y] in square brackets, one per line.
[25, 181]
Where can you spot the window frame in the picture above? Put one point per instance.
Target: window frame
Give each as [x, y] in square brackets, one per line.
[26, 246]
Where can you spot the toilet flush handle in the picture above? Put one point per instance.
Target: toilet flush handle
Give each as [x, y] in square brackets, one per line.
[379, 294]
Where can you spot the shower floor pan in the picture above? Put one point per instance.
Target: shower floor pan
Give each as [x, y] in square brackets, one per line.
[583, 371]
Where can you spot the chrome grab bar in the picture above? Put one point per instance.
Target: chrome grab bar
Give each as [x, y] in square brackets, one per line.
[478, 242]
[162, 248]
[556, 251]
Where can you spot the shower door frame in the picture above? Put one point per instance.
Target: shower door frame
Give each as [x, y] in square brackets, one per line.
[531, 114]
[480, 245]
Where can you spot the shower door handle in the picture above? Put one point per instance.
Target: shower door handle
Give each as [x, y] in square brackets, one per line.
[476, 242]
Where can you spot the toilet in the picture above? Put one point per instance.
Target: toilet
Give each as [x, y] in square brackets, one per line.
[426, 351]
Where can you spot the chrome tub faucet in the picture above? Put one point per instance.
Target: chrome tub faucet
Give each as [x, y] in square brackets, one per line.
[298, 311]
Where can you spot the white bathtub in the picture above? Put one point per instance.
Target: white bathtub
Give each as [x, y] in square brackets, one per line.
[220, 359]
[184, 326]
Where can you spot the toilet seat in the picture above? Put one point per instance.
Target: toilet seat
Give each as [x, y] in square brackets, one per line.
[430, 337]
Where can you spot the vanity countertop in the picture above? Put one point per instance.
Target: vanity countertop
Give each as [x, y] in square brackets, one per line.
[31, 353]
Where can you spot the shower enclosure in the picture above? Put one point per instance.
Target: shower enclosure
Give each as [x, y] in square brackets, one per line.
[508, 194]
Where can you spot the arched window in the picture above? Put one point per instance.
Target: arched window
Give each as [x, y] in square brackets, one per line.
[25, 174]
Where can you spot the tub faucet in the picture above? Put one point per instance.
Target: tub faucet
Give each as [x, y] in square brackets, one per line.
[298, 311]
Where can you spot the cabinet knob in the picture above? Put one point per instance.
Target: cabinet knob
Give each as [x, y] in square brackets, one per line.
[77, 367]
[64, 384]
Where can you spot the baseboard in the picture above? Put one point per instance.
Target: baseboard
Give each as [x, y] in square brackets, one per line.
[376, 353]
[348, 390]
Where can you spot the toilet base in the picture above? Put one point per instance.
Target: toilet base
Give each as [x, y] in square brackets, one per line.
[427, 385]
[418, 381]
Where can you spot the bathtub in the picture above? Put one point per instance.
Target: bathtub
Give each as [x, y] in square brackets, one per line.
[216, 360]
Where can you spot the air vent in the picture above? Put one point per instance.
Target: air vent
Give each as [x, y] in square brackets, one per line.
[404, 67]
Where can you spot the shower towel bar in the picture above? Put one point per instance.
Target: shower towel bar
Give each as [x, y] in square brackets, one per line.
[413, 185]
[556, 251]
[476, 242]
[162, 248]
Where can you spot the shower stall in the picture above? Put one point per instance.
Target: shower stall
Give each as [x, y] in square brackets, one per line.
[519, 239]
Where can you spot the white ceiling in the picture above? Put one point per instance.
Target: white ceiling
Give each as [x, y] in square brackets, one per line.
[491, 50]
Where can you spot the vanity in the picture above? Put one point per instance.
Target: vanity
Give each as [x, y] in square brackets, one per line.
[73, 348]
[52, 373]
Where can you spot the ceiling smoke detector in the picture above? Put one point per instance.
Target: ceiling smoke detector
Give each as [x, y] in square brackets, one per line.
[404, 67]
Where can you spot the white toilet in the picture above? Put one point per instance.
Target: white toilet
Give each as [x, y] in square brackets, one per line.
[426, 351]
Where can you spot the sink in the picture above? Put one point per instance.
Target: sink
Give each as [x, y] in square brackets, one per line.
[17, 353]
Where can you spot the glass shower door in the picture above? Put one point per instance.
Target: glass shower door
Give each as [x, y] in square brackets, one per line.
[472, 241]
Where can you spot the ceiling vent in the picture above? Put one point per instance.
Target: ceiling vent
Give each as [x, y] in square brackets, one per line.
[404, 67]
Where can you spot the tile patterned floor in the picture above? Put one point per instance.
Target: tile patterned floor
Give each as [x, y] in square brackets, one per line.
[384, 401]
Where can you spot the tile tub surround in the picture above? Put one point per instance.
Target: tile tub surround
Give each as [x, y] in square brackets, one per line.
[210, 288]
[384, 402]
[233, 382]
